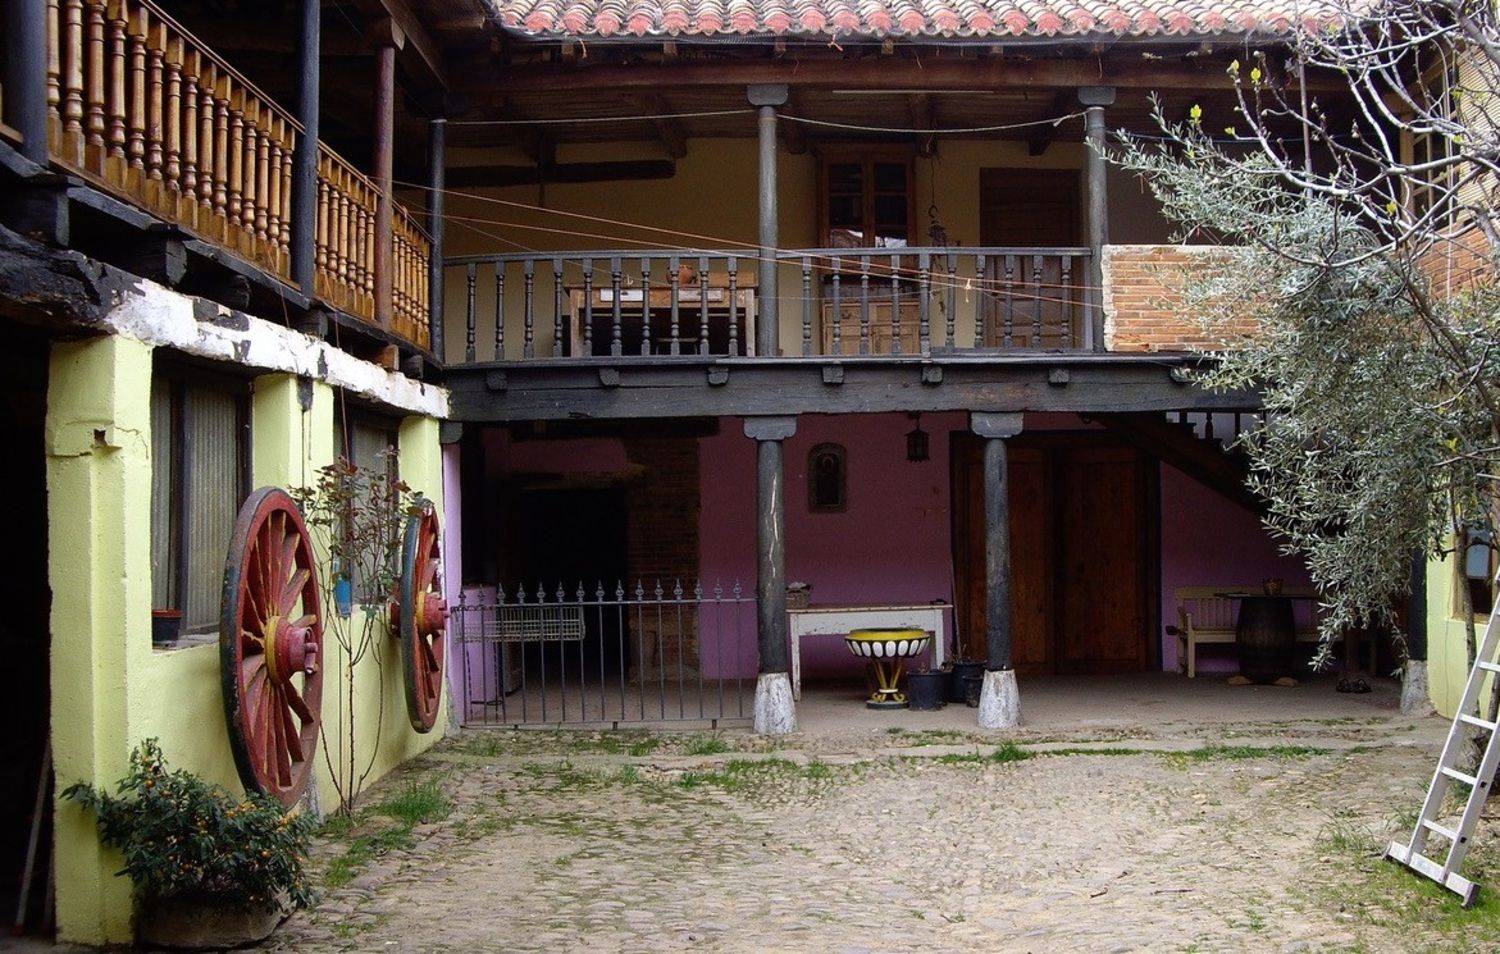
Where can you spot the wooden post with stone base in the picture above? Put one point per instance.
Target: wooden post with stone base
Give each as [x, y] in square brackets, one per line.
[999, 697]
[775, 712]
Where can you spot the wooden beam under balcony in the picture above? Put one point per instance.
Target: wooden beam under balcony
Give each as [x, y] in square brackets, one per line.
[885, 73]
[662, 387]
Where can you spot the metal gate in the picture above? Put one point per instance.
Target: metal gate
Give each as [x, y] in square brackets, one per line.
[604, 656]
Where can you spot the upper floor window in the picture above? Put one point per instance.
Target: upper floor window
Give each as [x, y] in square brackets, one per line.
[200, 475]
[866, 197]
[369, 441]
[1430, 144]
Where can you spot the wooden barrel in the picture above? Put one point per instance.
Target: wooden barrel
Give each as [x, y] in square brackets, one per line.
[1266, 636]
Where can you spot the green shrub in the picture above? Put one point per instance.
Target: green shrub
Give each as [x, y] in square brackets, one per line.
[185, 838]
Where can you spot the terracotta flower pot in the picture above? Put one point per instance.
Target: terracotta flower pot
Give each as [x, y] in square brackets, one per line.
[204, 922]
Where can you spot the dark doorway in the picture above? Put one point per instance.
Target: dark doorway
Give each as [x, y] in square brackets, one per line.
[1083, 552]
[1031, 208]
[24, 628]
[570, 537]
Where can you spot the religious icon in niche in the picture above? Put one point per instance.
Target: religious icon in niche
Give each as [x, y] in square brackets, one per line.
[827, 479]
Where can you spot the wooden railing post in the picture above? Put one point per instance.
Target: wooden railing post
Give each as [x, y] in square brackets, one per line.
[436, 157]
[305, 152]
[1094, 99]
[26, 45]
[388, 39]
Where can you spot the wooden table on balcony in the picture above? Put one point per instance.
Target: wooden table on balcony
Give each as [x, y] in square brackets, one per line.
[689, 316]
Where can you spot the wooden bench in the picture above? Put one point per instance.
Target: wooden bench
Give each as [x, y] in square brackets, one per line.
[1204, 615]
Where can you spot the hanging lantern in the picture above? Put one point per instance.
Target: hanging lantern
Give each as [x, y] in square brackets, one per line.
[916, 442]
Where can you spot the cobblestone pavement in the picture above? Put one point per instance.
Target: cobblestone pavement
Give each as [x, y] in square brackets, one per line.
[1259, 838]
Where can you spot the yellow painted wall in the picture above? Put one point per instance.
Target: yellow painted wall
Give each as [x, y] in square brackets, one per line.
[711, 202]
[111, 689]
[1447, 637]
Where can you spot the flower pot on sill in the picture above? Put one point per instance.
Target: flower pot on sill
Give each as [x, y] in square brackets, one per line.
[166, 626]
[204, 922]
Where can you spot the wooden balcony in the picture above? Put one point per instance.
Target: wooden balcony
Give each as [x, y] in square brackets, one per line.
[832, 302]
[142, 110]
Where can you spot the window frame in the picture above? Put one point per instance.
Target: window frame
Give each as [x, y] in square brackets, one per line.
[179, 377]
[349, 413]
[868, 155]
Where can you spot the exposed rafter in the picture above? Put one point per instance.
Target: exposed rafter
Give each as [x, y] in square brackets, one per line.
[1064, 102]
[421, 49]
[673, 136]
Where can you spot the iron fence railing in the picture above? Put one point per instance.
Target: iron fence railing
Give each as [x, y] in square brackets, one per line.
[598, 655]
[850, 301]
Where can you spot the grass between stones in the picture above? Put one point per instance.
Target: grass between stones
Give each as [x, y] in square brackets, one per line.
[382, 828]
[1372, 896]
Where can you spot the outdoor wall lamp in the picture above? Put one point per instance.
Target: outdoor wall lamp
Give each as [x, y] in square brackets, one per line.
[916, 441]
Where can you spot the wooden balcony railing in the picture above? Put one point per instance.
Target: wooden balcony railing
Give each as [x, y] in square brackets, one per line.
[142, 109]
[850, 302]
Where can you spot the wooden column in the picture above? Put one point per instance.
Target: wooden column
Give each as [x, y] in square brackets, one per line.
[26, 75]
[388, 39]
[766, 99]
[770, 534]
[995, 428]
[436, 180]
[305, 158]
[1094, 99]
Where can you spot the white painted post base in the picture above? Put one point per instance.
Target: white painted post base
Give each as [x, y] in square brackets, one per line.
[1415, 699]
[999, 700]
[775, 712]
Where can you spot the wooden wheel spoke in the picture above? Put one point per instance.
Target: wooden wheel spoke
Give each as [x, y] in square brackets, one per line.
[426, 574]
[292, 592]
[291, 733]
[297, 704]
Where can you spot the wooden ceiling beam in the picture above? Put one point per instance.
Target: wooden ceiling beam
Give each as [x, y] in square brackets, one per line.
[673, 135]
[421, 49]
[889, 73]
[1064, 102]
[923, 116]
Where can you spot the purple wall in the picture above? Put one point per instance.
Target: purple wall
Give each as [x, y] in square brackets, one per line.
[1207, 540]
[892, 544]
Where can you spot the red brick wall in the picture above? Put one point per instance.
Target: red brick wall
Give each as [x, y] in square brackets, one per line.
[1143, 303]
[1456, 265]
[661, 530]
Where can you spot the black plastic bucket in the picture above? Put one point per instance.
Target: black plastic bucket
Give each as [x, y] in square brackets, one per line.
[958, 691]
[927, 691]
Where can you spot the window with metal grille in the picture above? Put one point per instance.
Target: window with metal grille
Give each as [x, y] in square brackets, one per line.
[369, 441]
[200, 475]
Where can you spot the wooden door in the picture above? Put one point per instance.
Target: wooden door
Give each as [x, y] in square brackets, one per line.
[1031, 208]
[1102, 612]
[1031, 592]
[1080, 546]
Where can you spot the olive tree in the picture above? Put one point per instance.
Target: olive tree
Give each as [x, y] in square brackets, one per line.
[1350, 185]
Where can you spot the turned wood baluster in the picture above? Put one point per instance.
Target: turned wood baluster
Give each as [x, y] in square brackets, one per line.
[288, 149]
[117, 102]
[93, 124]
[189, 152]
[172, 164]
[156, 42]
[320, 252]
[72, 51]
[234, 174]
[256, 157]
[207, 113]
[219, 154]
[341, 244]
[54, 75]
[135, 132]
[275, 135]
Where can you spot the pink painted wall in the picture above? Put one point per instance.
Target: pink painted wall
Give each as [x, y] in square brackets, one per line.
[892, 545]
[1207, 540]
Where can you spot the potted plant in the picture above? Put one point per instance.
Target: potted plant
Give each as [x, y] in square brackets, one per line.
[210, 869]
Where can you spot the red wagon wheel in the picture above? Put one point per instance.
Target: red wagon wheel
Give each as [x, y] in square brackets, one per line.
[421, 617]
[270, 647]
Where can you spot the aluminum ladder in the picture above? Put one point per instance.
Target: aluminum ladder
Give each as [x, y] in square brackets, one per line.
[1413, 854]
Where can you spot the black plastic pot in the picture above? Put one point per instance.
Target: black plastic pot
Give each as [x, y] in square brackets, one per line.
[957, 690]
[166, 626]
[973, 686]
[927, 691]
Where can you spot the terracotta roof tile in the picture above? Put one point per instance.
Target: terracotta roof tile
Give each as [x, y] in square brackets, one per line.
[911, 17]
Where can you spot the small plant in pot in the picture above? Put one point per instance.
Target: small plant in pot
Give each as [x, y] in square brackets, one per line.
[210, 869]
